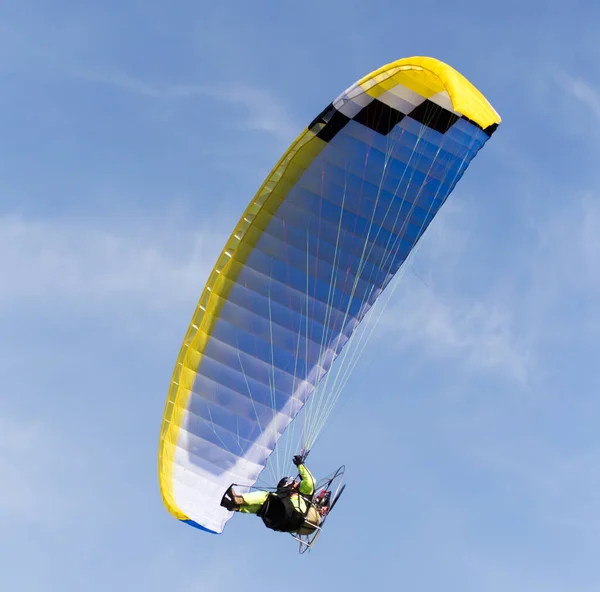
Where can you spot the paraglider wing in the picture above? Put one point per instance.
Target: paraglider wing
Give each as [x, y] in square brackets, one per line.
[324, 235]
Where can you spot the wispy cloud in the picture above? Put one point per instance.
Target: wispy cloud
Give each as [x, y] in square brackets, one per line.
[263, 112]
[503, 322]
[563, 271]
[590, 236]
[438, 306]
[70, 263]
[260, 109]
[478, 333]
[34, 467]
[581, 90]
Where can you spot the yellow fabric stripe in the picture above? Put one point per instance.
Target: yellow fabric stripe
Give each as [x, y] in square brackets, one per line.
[427, 77]
[229, 264]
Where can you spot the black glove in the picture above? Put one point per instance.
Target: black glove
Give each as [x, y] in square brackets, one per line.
[298, 460]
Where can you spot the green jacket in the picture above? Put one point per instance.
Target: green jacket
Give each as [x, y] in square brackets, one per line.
[306, 488]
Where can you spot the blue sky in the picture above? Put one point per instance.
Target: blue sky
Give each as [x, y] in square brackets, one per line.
[133, 135]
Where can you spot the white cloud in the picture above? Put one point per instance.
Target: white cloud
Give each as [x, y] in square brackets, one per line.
[590, 237]
[69, 263]
[504, 321]
[479, 333]
[435, 305]
[36, 462]
[559, 299]
[263, 111]
[581, 90]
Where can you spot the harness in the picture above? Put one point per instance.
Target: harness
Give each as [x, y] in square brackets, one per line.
[280, 514]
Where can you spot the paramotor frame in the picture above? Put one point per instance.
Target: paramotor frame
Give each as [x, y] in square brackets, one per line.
[327, 492]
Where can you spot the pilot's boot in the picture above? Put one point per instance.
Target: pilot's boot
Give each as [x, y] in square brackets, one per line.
[231, 500]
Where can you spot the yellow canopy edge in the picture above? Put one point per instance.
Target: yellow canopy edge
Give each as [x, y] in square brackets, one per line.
[287, 171]
[428, 76]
